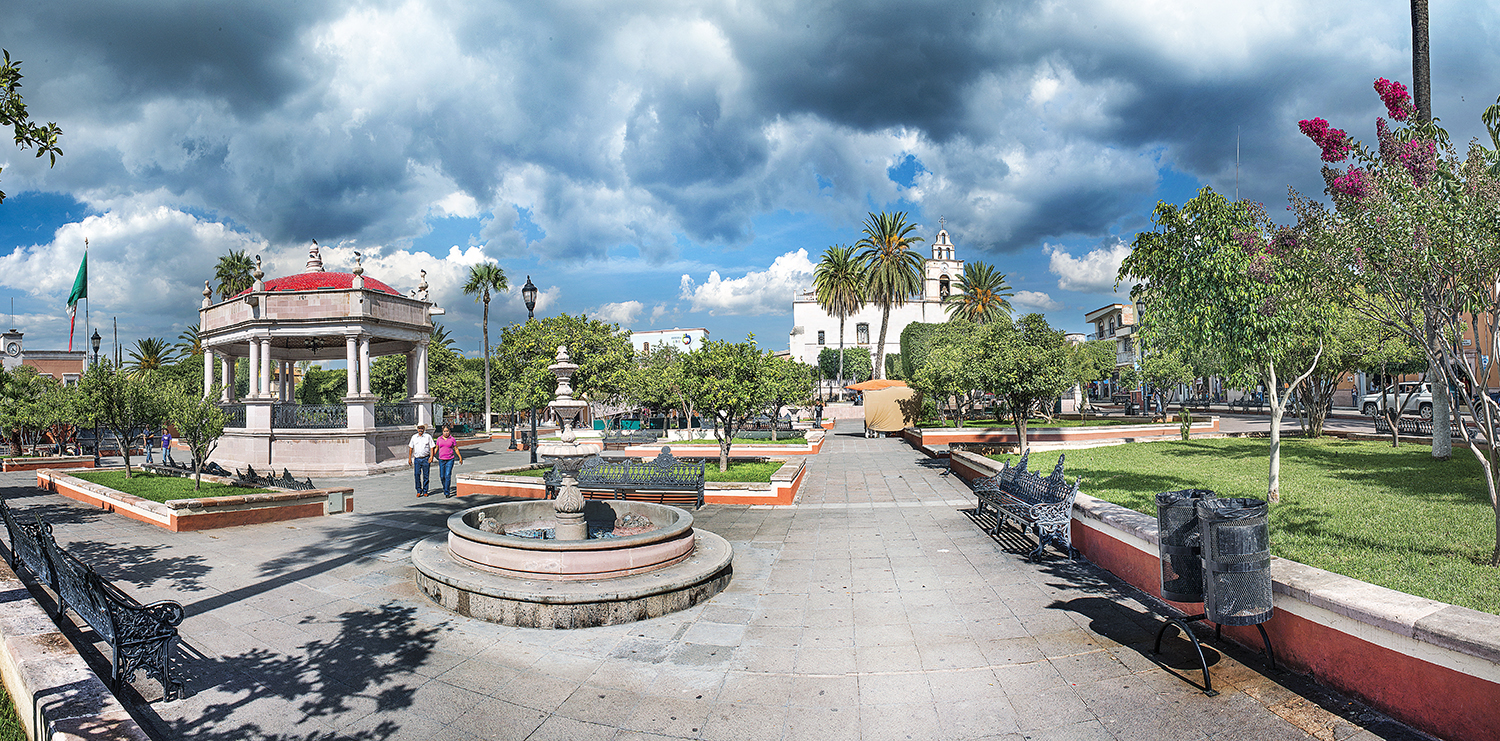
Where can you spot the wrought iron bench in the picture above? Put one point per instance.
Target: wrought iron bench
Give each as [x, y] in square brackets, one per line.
[1408, 425]
[285, 481]
[1197, 402]
[1042, 505]
[1246, 403]
[140, 636]
[625, 478]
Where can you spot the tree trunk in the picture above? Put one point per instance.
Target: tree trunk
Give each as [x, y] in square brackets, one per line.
[1278, 406]
[488, 428]
[885, 320]
[1421, 67]
[841, 358]
[1020, 415]
[726, 435]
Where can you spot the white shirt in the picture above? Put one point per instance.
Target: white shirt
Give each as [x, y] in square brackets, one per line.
[420, 445]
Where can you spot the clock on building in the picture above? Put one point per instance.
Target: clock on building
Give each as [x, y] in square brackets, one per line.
[13, 348]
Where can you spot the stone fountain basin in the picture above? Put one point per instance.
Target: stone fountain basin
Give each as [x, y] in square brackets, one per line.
[602, 558]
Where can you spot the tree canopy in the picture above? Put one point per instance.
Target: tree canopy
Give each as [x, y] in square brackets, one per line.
[13, 113]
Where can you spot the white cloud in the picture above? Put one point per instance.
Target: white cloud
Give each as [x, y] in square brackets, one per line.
[1034, 301]
[759, 292]
[623, 313]
[657, 312]
[1093, 273]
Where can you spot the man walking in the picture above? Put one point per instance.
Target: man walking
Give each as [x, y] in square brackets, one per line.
[419, 448]
[166, 445]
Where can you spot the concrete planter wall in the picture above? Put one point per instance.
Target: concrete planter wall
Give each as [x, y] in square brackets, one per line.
[59, 462]
[813, 447]
[1430, 664]
[785, 483]
[203, 513]
[934, 442]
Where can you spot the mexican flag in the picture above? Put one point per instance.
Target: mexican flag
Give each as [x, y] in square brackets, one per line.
[80, 290]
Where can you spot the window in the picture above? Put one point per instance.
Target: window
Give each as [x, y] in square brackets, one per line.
[862, 333]
[820, 337]
[943, 286]
[645, 347]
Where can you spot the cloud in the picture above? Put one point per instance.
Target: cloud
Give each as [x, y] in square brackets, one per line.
[1034, 301]
[1095, 272]
[623, 313]
[758, 292]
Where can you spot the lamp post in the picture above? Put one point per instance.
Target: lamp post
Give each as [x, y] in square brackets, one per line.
[94, 342]
[528, 294]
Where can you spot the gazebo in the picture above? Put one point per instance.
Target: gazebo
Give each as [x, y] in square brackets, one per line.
[316, 316]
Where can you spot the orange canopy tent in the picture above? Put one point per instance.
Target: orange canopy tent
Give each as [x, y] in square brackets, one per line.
[874, 385]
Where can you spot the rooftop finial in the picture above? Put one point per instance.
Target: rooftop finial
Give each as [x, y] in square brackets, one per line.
[258, 275]
[208, 294]
[422, 287]
[314, 258]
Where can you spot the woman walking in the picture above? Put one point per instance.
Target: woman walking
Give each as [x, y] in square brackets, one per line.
[447, 453]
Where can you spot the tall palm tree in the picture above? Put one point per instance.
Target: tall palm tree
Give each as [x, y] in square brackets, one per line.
[189, 343]
[980, 295]
[150, 356]
[894, 271]
[233, 272]
[484, 279]
[839, 285]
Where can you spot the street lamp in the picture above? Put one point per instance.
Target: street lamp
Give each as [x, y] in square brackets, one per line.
[528, 294]
[94, 342]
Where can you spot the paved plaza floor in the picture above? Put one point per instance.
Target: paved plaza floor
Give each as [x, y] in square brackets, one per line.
[874, 608]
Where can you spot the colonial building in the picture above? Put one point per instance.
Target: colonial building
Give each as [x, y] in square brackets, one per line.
[813, 329]
[685, 340]
[61, 365]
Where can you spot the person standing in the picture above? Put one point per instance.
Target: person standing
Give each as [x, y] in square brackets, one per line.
[418, 449]
[447, 455]
[146, 442]
[166, 445]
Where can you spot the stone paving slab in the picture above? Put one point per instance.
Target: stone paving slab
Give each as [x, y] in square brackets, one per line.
[873, 608]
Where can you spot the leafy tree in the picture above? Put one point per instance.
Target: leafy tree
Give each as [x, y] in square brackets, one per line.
[485, 279]
[150, 357]
[1023, 364]
[388, 378]
[23, 410]
[234, 273]
[949, 371]
[199, 422]
[61, 410]
[726, 380]
[188, 342]
[440, 338]
[893, 270]
[855, 362]
[1095, 361]
[1164, 370]
[656, 380]
[786, 381]
[916, 342]
[1215, 279]
[601, 349]
[121, 402]
[981, 295]
[321, 386]
[839, 282]
[13, 113]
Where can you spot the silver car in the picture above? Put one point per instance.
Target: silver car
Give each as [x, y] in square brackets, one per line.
[1412, 396]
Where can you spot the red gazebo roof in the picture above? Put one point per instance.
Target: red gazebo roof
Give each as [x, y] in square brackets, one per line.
[315, 281]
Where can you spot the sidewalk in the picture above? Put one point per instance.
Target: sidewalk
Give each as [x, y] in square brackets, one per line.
[872, 609]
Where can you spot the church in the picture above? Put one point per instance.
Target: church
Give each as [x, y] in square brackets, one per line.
[814, 329]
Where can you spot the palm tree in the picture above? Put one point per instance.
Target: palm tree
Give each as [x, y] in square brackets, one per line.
[980, 295]
[484, 279]
[233, 273]
[440, 337]
[189, 343]
[150, 356]
[894, 272]
[839, 284]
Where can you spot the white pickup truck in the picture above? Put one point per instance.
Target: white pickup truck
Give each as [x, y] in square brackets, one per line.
[1419, 401]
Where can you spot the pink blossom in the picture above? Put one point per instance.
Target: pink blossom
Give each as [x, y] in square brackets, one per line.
[1353, 184]
[1420, 159]
[1333, 142]
[1397, 100]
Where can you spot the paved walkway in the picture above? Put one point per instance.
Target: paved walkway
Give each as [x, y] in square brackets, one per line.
[873, 609]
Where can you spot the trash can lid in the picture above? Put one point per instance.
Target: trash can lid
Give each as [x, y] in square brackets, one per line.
[1232, 508]
[1174, 497]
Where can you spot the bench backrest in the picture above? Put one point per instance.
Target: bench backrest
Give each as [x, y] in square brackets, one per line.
[1029, 486]
[77, 587]
[26, 544]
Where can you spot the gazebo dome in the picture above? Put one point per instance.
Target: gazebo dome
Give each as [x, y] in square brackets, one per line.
[316, 280]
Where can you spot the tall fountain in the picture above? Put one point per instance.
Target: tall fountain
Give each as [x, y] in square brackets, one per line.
[572, 562]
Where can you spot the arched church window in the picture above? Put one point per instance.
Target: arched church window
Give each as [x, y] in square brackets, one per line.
[943, 289]
[820, 337]
[862, 333]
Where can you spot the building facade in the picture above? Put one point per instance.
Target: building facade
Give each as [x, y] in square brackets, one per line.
[685, 340]
[61, 365]
[813, 329]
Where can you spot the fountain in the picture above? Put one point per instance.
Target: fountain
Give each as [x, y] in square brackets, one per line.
[487, 568]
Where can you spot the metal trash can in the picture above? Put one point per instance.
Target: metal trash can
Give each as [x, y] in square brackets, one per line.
[1178, 541]
[1236, 544]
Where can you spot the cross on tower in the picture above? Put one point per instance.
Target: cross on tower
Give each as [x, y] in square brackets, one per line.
[941, 221]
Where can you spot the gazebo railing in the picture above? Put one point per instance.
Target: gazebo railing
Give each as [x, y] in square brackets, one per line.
[395, 415]
[310, 416]
[234, 416]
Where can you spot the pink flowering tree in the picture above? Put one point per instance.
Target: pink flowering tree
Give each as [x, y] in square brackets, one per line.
[1412, 241]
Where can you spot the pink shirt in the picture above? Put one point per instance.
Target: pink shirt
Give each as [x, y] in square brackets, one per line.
[445, 446]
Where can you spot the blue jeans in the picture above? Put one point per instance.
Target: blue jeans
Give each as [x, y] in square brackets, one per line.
[445, 475]
[421, 469]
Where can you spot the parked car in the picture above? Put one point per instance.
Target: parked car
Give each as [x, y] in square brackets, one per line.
[1420, 400]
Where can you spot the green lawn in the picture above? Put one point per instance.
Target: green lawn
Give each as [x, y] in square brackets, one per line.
[1030, 424]
[739, 472]
[1392, 517]
[10, 723]
[781, 440]
[161, 488]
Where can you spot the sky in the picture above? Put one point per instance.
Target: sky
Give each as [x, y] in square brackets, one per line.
[662, 163]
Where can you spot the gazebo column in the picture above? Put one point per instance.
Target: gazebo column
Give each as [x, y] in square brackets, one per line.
[351, 356]
[359, 404]
[419, 396]
[208, 373]
[411, 373]
[265, 367]
[258, 402]
[226, 375]
[254, 390]
[364, 365]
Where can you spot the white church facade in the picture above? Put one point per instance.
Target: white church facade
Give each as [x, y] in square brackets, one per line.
[814, 329]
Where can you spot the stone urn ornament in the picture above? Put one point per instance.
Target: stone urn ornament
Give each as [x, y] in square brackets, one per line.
[568, 453]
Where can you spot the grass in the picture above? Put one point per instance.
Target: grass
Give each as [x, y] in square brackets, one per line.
[1030, 424]
[798, 440]
[161, 488]
[739, 472]
[1392, 517]
[10, 721]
